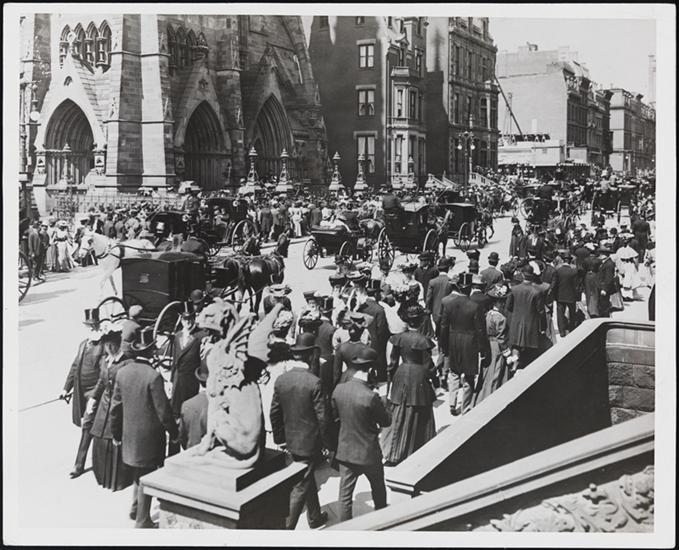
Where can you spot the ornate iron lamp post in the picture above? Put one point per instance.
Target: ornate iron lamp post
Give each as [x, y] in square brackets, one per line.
[360, 184]
[284, 185]
[411, 185]
[336, 181]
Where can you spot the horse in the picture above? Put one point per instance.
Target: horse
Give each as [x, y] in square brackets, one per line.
[109, 253]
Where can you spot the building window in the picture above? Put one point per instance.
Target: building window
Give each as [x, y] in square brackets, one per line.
[399, 103]
[389, 22]
[402, 57]
[104, 45]
[366, 146]
[411, 147]
[324, 21]
[398, 154]
[456, 108]
[469, 107]
[419, 26]
[366, 103]
[90, 44]
[458, 54]
[360, 20]
[413, 104]
[418, 64]
[484, 112]
[469, 65]
[420, 156]
[172, 48]
[420, 103]
[366, 56]
[484, 69]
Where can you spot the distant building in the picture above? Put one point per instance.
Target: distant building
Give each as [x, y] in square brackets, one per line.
[651, 80]
[127, 100]
[461, 87]
[552, 92]
[370, 73]
[632, 130]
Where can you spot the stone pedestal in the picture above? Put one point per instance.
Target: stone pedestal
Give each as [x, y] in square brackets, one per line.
[202, 493]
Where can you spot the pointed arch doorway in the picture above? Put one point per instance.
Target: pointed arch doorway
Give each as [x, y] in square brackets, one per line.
[69, 145]
[271, 135]
[206, 151]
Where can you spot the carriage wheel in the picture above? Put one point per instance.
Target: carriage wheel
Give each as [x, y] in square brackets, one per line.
[464, 237]
[164, 330]
[112, 308]
[25, 275]
[385, 250]
[346, 252]
[310, 254]
[240, 233]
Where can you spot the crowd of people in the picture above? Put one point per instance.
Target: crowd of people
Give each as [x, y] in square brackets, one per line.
[352, 377]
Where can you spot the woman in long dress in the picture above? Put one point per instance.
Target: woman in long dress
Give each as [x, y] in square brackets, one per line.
[51, 256]
[107, 459]
[63, 241]
[496, 372]
[591, 284]
[412, 413]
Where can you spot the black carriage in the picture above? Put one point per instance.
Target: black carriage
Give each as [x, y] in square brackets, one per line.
[626, 195]
[166, 223]
[534, 208]
[227, 224]
[161, 288]
[412, 229]
[466, 225]
[355, 242]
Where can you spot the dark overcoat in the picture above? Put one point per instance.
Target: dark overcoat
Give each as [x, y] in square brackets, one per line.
[193, 420]
[463, 334]
[102, 392]
[565, 284]
[526, 304]
[83, 376]
[185, 361]
[439, 287]
[141, 414]
[491, 275]
[379, 331]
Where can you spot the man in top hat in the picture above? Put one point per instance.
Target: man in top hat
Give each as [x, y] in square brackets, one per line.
[565, 291]
[131, 328]
[473, 267]
[378, 327]
[193, 414]
[440, 287]
[82, 379]
[526, 323]
[473, 254]
[478, 293]
[140, 416]
[463, 341]
[300, 421]
[361, 414]
[607, 281]
[492, 275]
[324, 336]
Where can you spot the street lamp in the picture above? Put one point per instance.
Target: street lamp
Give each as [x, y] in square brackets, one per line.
[467, 144]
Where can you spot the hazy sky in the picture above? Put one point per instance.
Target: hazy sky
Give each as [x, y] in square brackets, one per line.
[615, 50]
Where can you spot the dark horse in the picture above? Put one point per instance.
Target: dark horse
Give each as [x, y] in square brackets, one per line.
[252, 274]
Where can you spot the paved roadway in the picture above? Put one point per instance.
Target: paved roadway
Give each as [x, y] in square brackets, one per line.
[50, 330]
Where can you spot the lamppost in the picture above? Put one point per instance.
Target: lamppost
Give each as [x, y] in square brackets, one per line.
[336, 182]
[284, 185]
[467, 144]
[360, 184]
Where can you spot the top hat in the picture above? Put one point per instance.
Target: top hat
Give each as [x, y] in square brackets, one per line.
[310, 296]
[188, 311]
[426, 255]
[465, 280]
[365, 356]
[92, 317]
[374, 285]
[473, 254]
[305, 342]
[326, 303]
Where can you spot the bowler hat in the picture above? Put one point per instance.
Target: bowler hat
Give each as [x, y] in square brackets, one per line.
[444, 263]
[92, 317]
[305, 342]
[494, 256]
[426, 255]
[365, 356]
[197, 296]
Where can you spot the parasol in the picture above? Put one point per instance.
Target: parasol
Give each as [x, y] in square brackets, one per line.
[626, 253]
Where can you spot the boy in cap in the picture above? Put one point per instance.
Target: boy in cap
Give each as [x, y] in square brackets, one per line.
[361, 414]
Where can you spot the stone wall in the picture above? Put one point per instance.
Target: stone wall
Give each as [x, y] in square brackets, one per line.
[630, 358]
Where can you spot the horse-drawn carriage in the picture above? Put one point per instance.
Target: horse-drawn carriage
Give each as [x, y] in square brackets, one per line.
[412, 229]
[534, 208]
[226, 223]
[355, 242]
[626, 197]
[160, 287]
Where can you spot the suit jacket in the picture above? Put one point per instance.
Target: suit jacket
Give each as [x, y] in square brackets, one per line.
[327, 353]
[102, 393]
[535, 245]
[526, 304]
[141, 414]
[463, 333]
[378, 329]
[185, 361]
[491, 275]
[607, 276]
[193, 420]
[565, 284]
[34, 243]
[439, 288]
[298, 413]
[83, 376]
[361, 414]
[424, 277]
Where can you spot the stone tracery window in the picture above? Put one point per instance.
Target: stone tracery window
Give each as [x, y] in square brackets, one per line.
[172, 48]
[63, 44]
[90, 43]
[79, 42]
[104, 46]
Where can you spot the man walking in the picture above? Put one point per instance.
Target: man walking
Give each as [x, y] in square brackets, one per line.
[361, 414]
[565, 292]
[526, 305]
[140, 416]
[299, 420]
[439, 288]
[492, 274]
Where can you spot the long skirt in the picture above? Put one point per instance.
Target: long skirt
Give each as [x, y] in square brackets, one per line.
[51, 258]
[495, 374]
[411, 427]
[107, 463]
[427, 328]
[592, 294]
[64, 261]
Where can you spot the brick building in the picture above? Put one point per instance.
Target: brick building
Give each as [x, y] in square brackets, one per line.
[370, 73]
[632, 129]
[461, 58]
[551, 92]
[128, 100]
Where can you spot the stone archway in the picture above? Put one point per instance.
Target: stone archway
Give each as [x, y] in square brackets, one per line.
[69, 145]
[206, 152]
[271, 135]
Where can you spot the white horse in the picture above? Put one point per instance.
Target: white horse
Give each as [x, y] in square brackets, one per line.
[109, 252]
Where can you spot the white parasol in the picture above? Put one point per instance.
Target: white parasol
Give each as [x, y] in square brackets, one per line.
[626, 253]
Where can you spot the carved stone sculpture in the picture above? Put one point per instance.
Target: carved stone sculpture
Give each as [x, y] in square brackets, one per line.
[625, 505]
